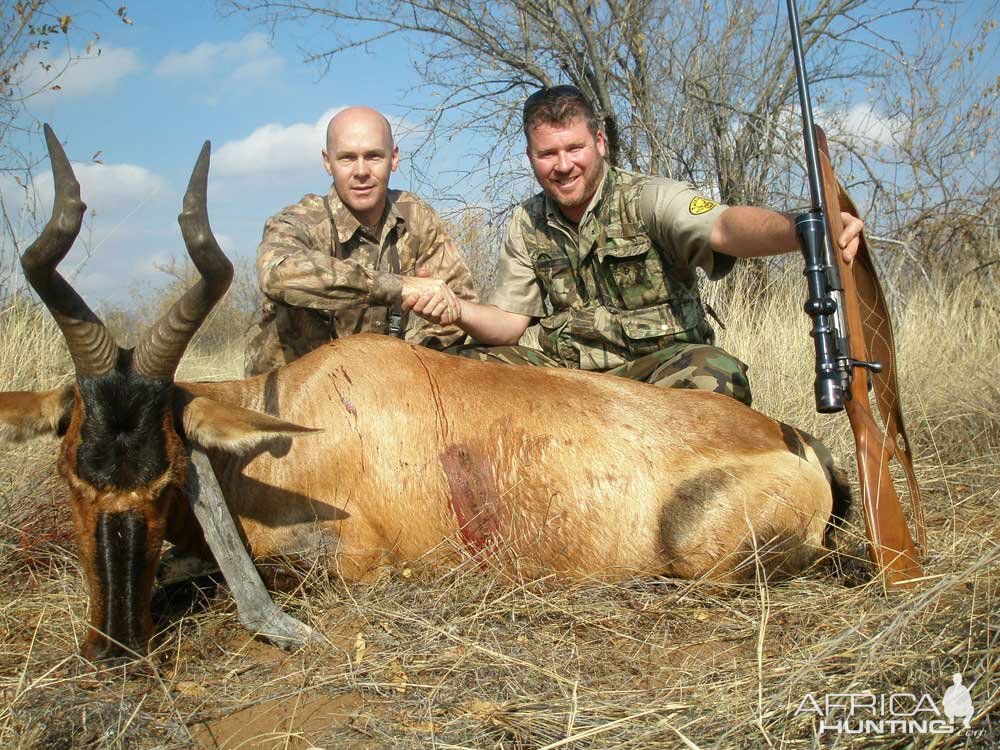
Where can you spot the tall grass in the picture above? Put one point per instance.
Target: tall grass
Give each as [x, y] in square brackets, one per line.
[469, 659]
[33, 354]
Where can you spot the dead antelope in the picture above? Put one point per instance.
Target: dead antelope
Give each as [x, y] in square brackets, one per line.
[546, 470]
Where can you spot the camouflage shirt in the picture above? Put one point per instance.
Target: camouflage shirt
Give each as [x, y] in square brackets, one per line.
[622, 283]
[319, 285]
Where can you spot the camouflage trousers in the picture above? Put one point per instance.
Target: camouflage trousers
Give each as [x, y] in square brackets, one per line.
[681, 365]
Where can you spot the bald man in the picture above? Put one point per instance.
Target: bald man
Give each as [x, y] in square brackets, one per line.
[338, 264]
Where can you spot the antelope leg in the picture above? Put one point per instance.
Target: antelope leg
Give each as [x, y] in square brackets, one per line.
[257, 611]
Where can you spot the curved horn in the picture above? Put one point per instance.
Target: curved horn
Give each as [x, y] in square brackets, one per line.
[160, 350]
[90, 344]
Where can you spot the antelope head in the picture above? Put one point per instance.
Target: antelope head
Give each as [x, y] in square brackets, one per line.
[121, 420]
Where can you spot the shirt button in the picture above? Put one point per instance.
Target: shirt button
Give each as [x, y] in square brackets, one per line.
[663, 327]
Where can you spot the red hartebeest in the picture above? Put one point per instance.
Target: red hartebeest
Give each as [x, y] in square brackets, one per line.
[548, 470]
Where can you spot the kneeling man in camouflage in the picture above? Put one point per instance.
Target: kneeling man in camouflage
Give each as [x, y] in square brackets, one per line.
[341, 263]
[605, 261]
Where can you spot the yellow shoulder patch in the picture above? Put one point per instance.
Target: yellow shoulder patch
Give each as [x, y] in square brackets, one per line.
[699, 206]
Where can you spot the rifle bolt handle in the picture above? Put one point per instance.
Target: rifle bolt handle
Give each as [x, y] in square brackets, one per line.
[870, 366]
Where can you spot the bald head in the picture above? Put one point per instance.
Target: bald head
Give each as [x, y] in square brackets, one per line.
[355, 120]
[360, 156]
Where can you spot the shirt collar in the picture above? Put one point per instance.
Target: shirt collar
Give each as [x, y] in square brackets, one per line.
[347, 225]
[393, 217]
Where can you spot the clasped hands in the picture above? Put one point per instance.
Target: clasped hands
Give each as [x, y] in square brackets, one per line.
[432, 299]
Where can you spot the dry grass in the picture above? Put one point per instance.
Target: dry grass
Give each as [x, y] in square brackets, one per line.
[467, 659]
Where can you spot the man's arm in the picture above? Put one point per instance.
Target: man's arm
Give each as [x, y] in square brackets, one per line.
[293, 266]
[487, 324]
[750, 232]
[516, 300]
[490, 325]
[441, 273]
[692, 230]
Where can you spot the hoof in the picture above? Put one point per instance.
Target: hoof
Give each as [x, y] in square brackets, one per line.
[282, 630]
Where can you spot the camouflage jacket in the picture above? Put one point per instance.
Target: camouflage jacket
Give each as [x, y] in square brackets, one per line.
[620, 285]
[319, 284]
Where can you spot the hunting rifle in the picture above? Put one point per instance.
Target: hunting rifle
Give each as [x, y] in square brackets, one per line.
[854, 347]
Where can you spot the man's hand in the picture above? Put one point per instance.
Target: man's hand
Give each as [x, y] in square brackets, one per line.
[431, 299]
[850, 238]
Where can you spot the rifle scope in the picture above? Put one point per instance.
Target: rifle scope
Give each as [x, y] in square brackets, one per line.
[821, 274]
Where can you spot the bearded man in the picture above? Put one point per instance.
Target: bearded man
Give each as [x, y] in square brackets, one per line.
[605, 261]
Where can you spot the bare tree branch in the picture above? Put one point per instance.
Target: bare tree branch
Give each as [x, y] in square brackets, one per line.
[705, 92]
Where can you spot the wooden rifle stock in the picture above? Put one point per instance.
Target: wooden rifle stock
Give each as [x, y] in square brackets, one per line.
[869, 331]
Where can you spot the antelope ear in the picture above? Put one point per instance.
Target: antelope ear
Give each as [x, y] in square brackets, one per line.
[212, 424]
[27, 414]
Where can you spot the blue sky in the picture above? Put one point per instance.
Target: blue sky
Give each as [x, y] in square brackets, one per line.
[133, 119]
[179, 74]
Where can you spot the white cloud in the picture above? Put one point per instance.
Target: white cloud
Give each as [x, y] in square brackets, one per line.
[89, 73]
[863, 123]
[125, 200]
[253, 70]
[274, 148]
[11, 193]
[108, 189]
[113, 193]
[19, 206]
[134, 227]
[248, 58]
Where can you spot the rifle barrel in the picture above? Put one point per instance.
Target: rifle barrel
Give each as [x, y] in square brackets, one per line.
[805, 102]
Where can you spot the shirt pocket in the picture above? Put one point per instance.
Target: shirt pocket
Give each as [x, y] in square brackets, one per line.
[554, 339]
[558, 279]
[655, 328]
[635, 271]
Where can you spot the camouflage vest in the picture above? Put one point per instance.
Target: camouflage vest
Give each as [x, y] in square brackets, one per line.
[613, 298]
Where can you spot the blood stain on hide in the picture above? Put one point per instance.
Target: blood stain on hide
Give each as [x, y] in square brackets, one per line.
[474, 496]
[346, 401]
[349, 406]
